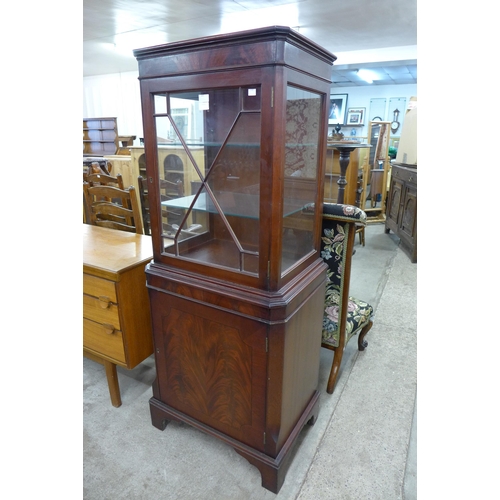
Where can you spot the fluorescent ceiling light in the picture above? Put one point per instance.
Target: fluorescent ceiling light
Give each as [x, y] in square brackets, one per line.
[365, 75]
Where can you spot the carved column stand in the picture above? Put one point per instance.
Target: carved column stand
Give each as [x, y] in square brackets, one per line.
[345, 149]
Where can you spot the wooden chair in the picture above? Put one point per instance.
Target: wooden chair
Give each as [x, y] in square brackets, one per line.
[96, 165]
[344, 316]
[104, 180]
[96, 176]
[104, 211]
[168, 191]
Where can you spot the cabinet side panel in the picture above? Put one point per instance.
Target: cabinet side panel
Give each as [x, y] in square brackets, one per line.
[301, 361]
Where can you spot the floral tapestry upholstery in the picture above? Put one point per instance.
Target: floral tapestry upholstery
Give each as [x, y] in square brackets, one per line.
[337, 221]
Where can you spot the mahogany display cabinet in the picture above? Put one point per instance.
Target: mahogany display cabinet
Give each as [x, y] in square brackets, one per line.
[237, 283]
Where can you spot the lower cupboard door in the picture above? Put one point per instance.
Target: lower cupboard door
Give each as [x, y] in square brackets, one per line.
[211, 365]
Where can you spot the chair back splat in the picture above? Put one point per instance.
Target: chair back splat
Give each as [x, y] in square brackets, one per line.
[169, 190]
[344, 316]
[104, 180]
[112, 207]
[96, 175]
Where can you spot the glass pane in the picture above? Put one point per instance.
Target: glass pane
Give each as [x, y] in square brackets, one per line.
[303, 120]
[160, 103]
[209, 141]
[235, 175]
[177, 170]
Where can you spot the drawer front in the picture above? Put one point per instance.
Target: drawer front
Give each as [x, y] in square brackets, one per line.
[101, 310]
[103, 340]
[98, 287]
[405, 174]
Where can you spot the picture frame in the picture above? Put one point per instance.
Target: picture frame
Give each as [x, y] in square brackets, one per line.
[337, 109]
[356, 116]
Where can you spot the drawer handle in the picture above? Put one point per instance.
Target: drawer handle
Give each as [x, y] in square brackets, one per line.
[109, 329]
[410, 179]
[104, 301]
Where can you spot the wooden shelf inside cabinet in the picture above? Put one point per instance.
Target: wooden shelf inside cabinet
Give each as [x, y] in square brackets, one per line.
[100, 136]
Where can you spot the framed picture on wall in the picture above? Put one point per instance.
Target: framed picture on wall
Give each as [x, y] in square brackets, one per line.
[356, 116]
[338, 108]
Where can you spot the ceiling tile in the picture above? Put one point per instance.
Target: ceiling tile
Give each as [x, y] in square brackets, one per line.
[346, 27]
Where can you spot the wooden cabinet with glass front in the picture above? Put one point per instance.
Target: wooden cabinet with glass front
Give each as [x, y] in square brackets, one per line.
[237, 282]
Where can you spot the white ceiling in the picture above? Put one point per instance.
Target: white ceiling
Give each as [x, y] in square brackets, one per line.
[376, 34]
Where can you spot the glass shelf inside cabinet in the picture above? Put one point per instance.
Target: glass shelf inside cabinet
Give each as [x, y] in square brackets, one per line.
[216, 134]
[230, 203]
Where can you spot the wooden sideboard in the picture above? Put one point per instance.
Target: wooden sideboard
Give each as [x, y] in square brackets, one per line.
[116, 312]
[401, 215]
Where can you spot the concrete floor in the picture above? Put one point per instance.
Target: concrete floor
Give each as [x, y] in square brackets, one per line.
[362, 446]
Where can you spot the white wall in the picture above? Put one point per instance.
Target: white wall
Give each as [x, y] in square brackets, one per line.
[115, 95]
[118, 95]
[359, 97]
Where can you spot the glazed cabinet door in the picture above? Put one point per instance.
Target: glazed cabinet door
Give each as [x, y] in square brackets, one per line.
[212, 216]
[211, 365]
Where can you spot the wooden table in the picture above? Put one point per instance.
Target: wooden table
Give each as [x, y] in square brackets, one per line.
[116, 314]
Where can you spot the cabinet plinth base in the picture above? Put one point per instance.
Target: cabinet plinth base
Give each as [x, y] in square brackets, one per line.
[408, 248]
[272, 470]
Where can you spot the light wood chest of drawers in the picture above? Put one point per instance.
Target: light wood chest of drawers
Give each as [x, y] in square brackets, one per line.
[116, 313]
